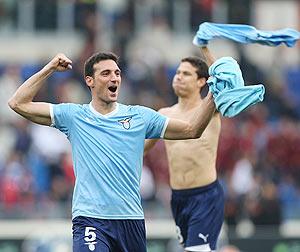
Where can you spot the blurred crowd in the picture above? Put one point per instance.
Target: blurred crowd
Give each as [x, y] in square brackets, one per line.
[259, 151]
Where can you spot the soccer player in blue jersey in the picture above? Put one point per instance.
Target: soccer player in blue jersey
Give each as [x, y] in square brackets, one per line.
[197, 201]
[107, 140]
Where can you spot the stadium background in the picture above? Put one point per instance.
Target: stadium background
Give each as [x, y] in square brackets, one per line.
[259, 153]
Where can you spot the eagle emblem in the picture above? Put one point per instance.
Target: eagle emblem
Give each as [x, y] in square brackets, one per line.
[125, 122]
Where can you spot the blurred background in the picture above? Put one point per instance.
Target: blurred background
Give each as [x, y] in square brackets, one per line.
[259, 152]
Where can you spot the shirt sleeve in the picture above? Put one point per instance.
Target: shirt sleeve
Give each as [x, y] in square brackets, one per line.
[155, 122]
[61, 117]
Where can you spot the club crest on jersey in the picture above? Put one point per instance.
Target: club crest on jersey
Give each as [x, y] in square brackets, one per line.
[125, 122]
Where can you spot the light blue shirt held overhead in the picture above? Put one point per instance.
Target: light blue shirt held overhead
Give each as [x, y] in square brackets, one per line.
[107, 153]
[245, 34]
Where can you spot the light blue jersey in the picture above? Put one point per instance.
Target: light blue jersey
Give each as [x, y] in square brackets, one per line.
[107, 155]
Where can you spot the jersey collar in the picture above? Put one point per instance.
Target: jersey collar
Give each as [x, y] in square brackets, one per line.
[95, 112]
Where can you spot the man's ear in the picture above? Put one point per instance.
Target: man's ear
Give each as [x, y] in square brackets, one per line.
[202, 82]
[89, 81]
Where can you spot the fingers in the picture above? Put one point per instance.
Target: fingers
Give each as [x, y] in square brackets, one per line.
[64, 61]
[59, 63]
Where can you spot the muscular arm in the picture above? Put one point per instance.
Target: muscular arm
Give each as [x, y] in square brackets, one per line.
[208, 57]
[179, 129]
[22, 100]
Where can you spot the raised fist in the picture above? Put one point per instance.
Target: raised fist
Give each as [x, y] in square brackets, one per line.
[60, 63]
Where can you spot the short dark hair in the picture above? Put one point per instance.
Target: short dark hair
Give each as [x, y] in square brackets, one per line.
[199, 64]
[95, 58]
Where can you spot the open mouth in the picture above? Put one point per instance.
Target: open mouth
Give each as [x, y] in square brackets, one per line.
[113, 89]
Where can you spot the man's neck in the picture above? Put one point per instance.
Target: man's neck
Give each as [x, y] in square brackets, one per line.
[187, 103]
[104, 107]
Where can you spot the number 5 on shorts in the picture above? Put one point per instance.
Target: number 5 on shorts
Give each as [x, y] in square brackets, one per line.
[89, 234]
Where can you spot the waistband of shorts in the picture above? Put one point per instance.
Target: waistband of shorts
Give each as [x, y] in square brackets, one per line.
[196, 190]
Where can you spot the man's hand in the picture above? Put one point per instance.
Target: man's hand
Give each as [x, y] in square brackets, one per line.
[209, 58]
[59, 63]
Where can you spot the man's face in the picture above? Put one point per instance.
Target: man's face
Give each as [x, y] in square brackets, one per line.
[105, 84]
[186, 81]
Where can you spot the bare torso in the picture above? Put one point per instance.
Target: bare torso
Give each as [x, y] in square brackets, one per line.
[192, 163]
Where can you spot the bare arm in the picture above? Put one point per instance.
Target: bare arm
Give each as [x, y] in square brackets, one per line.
[179, 129]
[22, 100]
[209, 58]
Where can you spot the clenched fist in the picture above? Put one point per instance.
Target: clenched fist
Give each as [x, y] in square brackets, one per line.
[59, 63]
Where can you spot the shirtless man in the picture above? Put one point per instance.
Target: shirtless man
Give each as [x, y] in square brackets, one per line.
[197, 197]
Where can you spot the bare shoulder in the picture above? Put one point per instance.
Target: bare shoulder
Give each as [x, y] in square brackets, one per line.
[167, 111]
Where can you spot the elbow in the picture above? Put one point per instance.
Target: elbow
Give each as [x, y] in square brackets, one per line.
[194, 134]
[197, 133]
[12, 103]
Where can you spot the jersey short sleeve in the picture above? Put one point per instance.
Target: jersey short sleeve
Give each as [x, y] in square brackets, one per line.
[156, 123]
[62, 115]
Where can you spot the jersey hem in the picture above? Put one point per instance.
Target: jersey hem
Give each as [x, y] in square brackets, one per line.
[110, 217]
